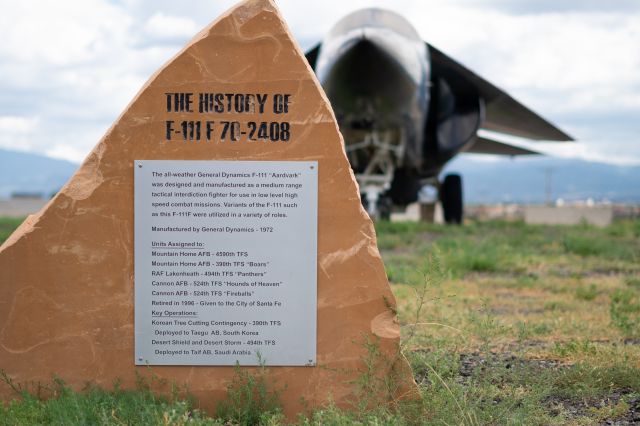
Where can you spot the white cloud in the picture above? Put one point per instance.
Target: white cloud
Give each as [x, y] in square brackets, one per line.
[13, 124]
[60, 33]
[163, 26]
[66, 152]
[17, 132]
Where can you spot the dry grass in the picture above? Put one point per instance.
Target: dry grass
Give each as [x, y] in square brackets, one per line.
[525, 288]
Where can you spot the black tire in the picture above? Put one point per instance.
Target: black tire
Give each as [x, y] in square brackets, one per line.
[451, 197]
[404, 187]
[364, 201]
[385, 206]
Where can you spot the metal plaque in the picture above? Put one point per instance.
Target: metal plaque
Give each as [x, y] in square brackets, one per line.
[225, 262]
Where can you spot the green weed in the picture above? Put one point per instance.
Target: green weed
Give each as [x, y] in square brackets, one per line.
[485, 326]
[250, 398]
[403, 270]
[334, 416]
[587, 293]
[584, 381]
[573, 347]
[624, 228]
[462, 256]
[555, 306]
[609, 412]
[633, 282]
[625, 312]
[587, 244]
[525, 331]
[95, 406]
[7, 226]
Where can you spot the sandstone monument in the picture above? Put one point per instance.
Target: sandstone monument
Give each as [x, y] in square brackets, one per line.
[67, 286]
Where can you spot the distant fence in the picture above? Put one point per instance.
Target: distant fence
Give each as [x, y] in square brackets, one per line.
[568, 215]
[564, 214]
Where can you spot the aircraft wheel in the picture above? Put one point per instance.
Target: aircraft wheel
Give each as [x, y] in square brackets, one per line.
[404, 187]
[384, 207]
[451, 197]
[364, 201]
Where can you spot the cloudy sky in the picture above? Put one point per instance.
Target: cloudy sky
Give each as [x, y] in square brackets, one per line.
[69, 67]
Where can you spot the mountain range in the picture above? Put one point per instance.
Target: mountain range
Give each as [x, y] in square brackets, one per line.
[530, 180]
[486, 180]
[27, 173]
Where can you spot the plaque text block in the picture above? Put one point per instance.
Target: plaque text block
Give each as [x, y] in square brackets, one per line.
[225, 262]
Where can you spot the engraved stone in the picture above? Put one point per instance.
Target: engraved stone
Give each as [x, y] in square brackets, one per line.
[241, 90]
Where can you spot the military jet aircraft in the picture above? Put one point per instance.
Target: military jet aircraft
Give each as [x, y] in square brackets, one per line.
[405, 109]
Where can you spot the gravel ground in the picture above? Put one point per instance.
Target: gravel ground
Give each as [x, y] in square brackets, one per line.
[474, 363]
[581, 408]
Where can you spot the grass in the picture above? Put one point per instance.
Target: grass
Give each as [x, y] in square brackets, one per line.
[250, 400]
[536, 324]
[94, 406]
[7, 225]
[587, 293]
[625, 312]
[503, 323]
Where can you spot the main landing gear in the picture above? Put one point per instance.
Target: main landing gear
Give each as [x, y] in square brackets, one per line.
[451, 198]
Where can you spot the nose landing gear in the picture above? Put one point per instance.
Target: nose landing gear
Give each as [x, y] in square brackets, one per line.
[451, 198]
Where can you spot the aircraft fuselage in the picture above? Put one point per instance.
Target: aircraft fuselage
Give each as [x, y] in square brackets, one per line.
[375, 70]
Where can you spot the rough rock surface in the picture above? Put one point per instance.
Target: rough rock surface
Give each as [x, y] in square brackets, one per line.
[67, 288]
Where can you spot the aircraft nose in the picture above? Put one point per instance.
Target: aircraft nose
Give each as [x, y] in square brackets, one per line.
[365, 69]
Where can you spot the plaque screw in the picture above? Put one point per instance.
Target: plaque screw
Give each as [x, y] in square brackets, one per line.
[311, 167]
[140, 358]
[139, 166]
